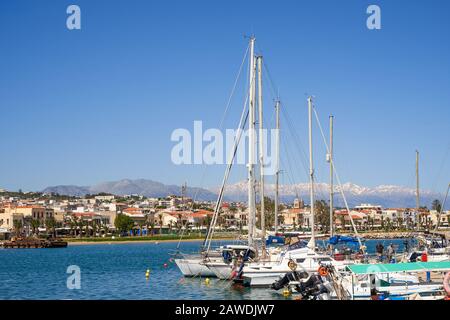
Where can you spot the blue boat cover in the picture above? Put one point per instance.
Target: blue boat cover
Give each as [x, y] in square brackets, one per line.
[342, 239]
[275, 240]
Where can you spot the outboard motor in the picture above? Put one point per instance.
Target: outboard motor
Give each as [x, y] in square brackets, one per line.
[312, 288]
[288, 277]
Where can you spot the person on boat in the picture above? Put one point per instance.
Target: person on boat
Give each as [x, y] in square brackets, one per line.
[390, 252]
[374, 294]
[293, 275]
[380, 249]
[406, 245]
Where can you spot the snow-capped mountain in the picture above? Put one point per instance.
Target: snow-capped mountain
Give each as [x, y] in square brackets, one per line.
[384, 195]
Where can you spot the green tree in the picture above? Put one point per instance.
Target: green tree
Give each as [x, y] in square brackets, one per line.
[123, 223]
[322, 214]
[436, 205]
[269, 213]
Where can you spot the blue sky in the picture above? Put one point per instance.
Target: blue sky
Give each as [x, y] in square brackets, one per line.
[100, 103]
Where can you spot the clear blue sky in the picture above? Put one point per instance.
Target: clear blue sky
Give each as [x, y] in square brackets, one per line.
[98, 104]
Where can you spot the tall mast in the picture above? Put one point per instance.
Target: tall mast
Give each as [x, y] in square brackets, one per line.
[417, 182]
[330, 159]
[183, 194]
[277, 155]
[251, 147]
[311, 175]
[261, 156]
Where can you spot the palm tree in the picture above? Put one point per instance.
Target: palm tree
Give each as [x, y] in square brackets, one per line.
[50, 224]
[105, 229]
[84, 225]
[141, 225]
[152, 226]
[17, 227]
[160, 219]
[180, 221]
[35, 225]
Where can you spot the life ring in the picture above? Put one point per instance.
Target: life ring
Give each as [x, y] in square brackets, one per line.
[447, 283]
[323, 271]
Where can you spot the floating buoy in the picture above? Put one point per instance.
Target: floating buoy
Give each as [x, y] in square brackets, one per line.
[165, 265]
[147, 273]
[207, 281]
[286, 292]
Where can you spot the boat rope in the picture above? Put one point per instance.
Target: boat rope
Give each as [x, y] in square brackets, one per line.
[441, 167]
[338, 180]
[242, 123]
[238, 76]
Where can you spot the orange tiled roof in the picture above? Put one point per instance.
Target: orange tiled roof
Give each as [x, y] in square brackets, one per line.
[30, 207]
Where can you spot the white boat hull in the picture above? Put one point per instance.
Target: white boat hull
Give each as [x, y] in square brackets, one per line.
[221, 270]
[194, 267]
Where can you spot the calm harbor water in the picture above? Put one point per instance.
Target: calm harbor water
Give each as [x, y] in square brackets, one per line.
[115, 271]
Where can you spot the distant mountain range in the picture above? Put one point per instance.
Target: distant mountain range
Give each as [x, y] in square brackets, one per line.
[142, 187]
[384, 195]
[388, 196]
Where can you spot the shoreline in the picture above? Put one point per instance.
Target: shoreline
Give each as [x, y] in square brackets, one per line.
[84, 243]
[367, 236]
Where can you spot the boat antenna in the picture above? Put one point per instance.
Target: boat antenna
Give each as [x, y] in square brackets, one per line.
[361, 246]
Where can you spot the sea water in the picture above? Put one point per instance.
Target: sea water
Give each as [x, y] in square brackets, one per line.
[117, 271]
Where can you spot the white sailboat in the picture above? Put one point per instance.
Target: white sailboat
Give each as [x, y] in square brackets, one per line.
[209, 261]
[307, 259]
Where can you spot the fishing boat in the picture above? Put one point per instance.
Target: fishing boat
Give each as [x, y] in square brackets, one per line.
[361, 281]
[400, 281]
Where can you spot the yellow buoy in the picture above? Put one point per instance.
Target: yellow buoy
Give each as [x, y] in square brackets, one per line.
[286, 292]
[147, 273]
[207, 281]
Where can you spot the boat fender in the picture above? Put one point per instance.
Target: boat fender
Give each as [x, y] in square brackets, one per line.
[424, 257]
[323, 272]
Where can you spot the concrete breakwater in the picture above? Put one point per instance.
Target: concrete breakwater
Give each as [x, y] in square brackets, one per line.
[34, 243]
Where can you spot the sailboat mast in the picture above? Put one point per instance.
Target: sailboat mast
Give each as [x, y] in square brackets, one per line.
[311, 175]
[261, 156]
[331, 177]
[277, 154]
[251, 147]
[417, 182]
